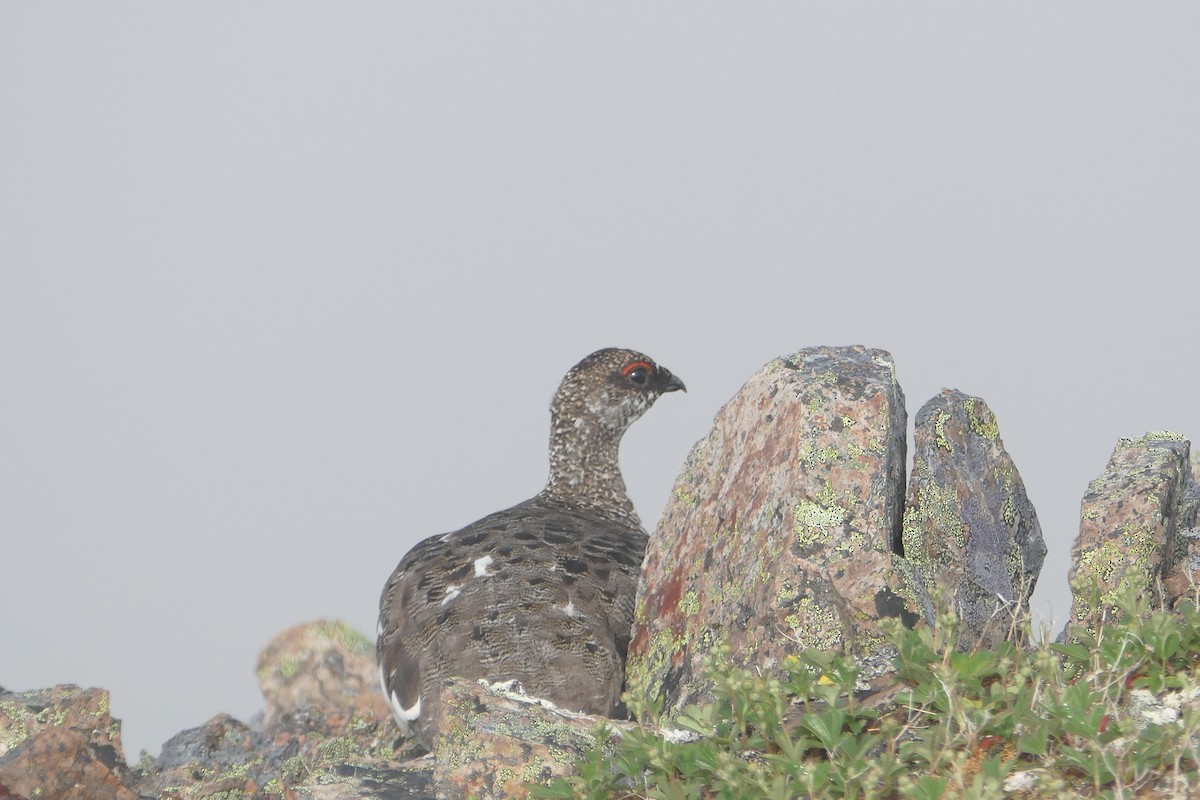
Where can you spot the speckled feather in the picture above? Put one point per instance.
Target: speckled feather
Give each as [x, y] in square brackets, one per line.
[542, 592]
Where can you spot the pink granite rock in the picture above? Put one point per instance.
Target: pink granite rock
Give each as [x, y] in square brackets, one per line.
[782, 531]
[325, 667]
[1137, 529]
[61, 743]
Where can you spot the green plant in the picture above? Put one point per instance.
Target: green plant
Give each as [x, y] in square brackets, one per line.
[1112, 713]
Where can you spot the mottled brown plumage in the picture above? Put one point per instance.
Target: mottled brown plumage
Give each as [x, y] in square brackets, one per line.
[541, 592]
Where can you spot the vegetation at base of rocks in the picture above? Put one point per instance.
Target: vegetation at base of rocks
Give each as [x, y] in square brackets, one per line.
[1111, 714]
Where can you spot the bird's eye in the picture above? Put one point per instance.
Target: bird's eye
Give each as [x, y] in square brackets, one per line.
[638, 373]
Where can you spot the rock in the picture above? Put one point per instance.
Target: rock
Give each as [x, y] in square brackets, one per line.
[369, 780]
[60, 763]
[223, 755]
[326, 731]
[310, 760]
[1136, 531]
[323, 667]
[783, 529]
[61, 743]
[493, 738]
[969, 527]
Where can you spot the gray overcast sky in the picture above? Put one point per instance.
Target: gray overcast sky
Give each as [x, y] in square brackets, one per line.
[285, 287]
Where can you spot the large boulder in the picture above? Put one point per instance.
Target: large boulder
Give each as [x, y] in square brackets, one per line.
[1136, 530]
[782, 531]
[969, 527]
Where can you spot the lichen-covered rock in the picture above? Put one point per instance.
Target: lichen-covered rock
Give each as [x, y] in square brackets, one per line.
[369, 779]
[783, 529]
[312, 758]
[492, 739]
[61, 743]
[326, 732]
[222, 755]
[325, 666]
[1181, 581]
[969, 527]
[1136, 529]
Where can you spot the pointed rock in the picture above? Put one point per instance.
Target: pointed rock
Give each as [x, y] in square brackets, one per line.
[782, 529]
[969, 527]
[1136, 531]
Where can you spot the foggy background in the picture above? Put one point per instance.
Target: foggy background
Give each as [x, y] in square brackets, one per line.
[286, 287]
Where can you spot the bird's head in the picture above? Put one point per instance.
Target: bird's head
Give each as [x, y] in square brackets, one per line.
[611, 388]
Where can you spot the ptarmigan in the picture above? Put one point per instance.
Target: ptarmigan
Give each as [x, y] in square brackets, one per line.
[542, 592]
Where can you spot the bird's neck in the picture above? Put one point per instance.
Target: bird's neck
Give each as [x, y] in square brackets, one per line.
[585, 471]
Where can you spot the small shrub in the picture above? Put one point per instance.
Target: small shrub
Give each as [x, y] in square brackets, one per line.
[962, 724]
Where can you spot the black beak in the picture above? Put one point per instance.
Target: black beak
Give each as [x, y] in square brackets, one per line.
[668, 382]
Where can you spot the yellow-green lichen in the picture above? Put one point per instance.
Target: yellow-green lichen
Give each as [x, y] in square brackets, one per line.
[813, 522]
[826, 455]
[294, 769]
[689, 603]
[939, 431]
[639, 611]
[827, 495]
[531, 773]
[981, 420]
[936, 512]
[1117, 565]
[1152, 436]
[813, 625]
[338, 749]
[18, 714]
[458, 743]
[289, 666]
[730, 592]
[852, 542]
[786, 593]
[644, 672]
[344, 635]
[685, 496]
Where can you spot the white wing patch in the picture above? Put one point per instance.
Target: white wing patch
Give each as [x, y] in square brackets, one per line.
[481, 566]
[451, 593]
[569, 609]
[405, 714]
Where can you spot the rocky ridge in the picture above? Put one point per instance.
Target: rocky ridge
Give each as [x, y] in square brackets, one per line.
[791, 525]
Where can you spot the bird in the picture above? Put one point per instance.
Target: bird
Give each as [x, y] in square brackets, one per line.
[542, 592]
